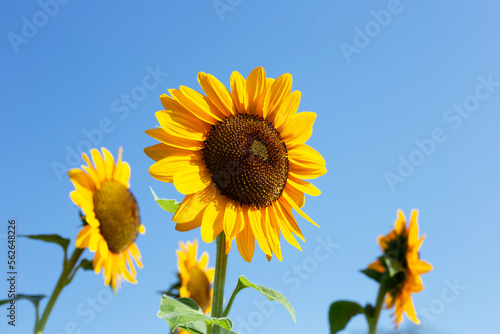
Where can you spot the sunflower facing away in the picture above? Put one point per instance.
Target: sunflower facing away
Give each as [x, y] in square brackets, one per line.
[402, 244]
[195, 278]
[240, 158]
[112, 215]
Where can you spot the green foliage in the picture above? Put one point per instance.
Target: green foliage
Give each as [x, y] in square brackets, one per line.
[186, 314]
[57, 239]
[269, 293]
[169, 205]
[87, 264]
[373, 274]
[35, 299]
[341, 312]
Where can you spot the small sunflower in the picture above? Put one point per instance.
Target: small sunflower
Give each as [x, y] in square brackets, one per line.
[195, 278]
[112, 215]
[402, 244]
[240, 158]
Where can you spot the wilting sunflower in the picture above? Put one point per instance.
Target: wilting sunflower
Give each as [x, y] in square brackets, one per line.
[195, 278]
[240, 158]
[402, 244]
[112, 215]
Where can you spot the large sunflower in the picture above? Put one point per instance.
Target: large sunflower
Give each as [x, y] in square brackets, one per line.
[111, 213]
[195, 278]
[240, 158]
[402, 245]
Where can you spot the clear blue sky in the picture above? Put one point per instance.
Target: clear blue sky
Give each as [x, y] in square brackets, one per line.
[413, 98]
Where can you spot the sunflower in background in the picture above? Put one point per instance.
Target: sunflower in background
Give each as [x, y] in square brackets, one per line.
[195, 278]
[111, 213]
[402, 245]
[240, 158]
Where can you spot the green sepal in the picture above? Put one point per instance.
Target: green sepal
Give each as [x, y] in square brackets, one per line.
[373, 274]
[269, 293]
[186, 314]
[393, 266]
[169, 205]
[341, 312]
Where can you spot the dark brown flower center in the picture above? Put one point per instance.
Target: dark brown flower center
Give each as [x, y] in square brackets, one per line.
[247, 159]
[118, 215]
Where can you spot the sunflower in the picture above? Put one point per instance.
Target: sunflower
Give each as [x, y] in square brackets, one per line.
[195, 278]
[402, 245]
[240, 158]
[111, 213]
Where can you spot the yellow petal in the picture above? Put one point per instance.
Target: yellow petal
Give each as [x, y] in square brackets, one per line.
[183, 107]
[182, 125]
[296, 207]
[294, 194]
[78, 176]
[298, 129]
[287, 109]
[284, 226]
[413, 229]
[165, 169]
[255, 86]
[305, 155]
[193, 204]
[255, 218]
[195, 177]
[212, 223]
[286, 211]
[238, 91]
[277, 93]
[217, 93]
[198, 104]
[410, 311]
[83, 237]
[400, 223]
[245, 240]
[303, 186]
[122, 173]
[174, 141]
[230, 214]
[109, 161]
[99, 164]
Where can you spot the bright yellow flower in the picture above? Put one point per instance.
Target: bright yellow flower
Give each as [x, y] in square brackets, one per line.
[240, 158]
[403, 244]
[195, 278]
[112, 215]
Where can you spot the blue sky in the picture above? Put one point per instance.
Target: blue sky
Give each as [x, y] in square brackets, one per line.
[407, 96]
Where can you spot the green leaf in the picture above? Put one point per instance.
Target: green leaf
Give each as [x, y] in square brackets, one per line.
[373, 274]
[340, 314]
[57, 239]
[269, 293]
[169, 205]
[186, 314]
[87, 264]
[35, 299]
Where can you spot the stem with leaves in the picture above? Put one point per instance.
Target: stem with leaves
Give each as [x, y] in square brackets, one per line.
[67, 275]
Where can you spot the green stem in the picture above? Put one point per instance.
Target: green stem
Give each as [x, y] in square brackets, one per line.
[372, 322]
[61, 283]
[220, 276]
[230, 303]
